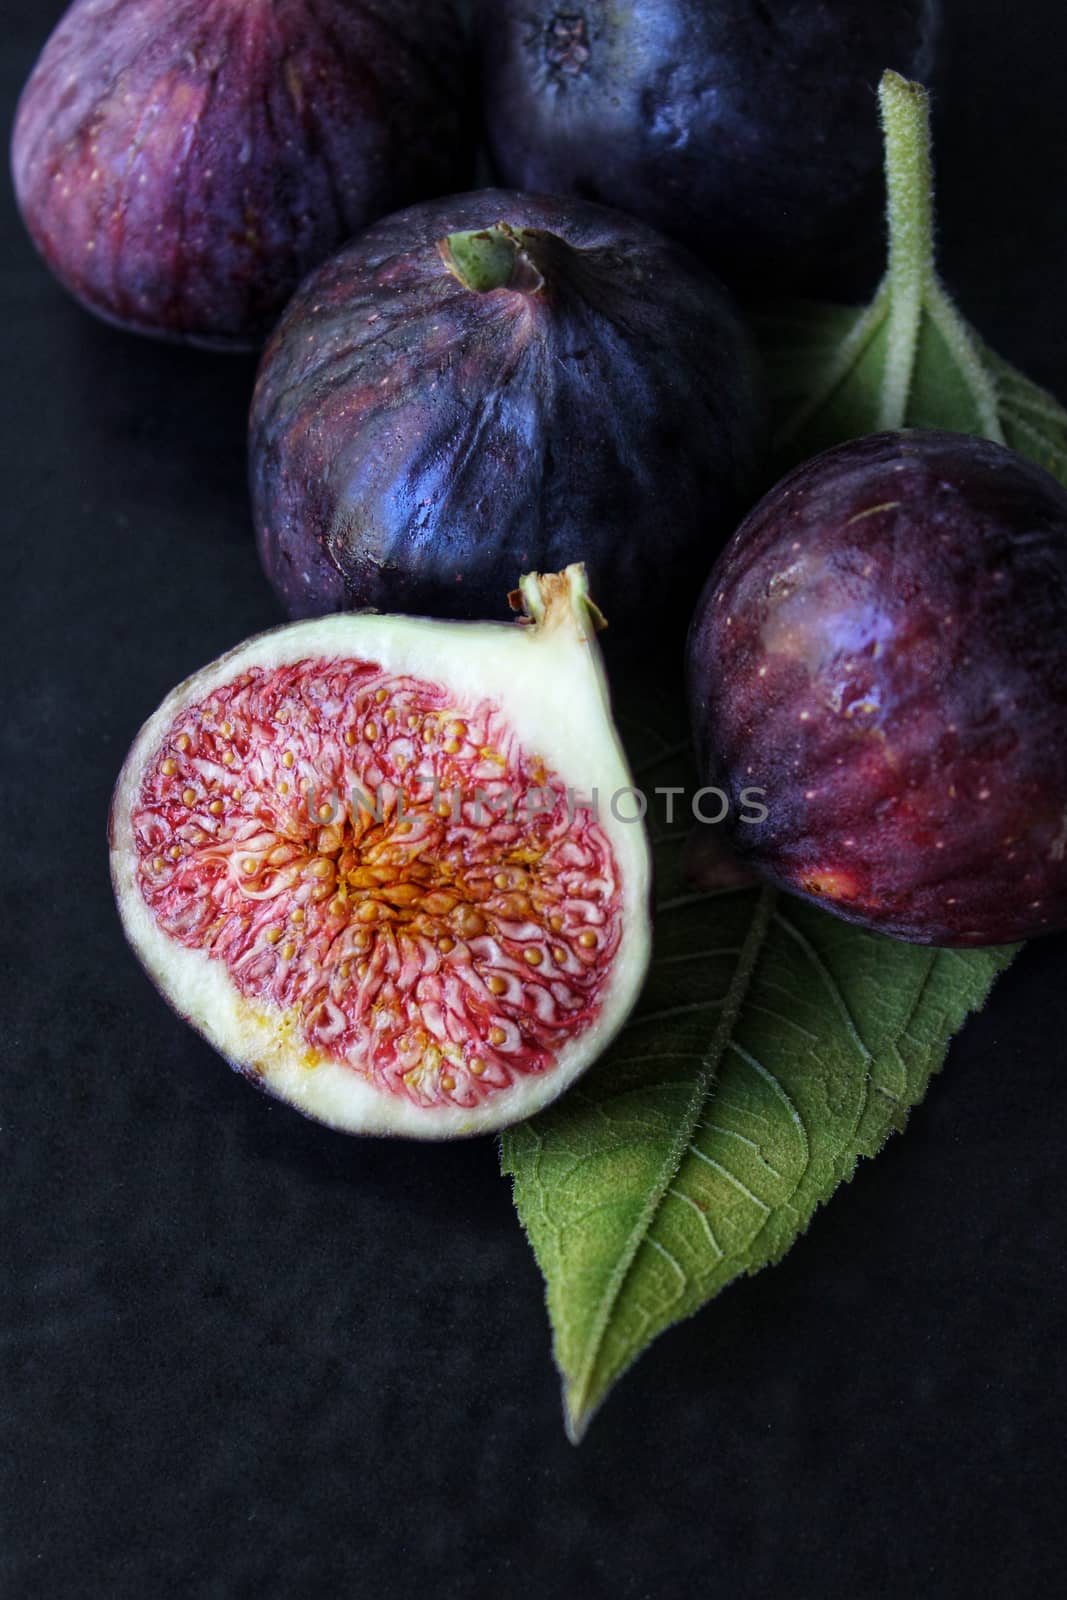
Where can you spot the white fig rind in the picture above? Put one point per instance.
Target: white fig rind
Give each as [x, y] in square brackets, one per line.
[548, 679]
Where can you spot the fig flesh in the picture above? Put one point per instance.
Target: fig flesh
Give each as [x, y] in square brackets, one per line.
[745, 128]
[883, 648]
[390, 867]
[181, 167]
[498, 382]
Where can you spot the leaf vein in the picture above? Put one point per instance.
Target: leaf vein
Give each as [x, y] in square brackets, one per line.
[731, 1177]
[578, 1391]
[688, 1200]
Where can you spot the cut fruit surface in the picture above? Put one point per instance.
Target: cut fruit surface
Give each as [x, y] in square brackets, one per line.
[383, 865]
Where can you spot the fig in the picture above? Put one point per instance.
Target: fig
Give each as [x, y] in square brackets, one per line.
[883, 648]
[181, 167]
[744, 128]
[497, 382]
[393, 869]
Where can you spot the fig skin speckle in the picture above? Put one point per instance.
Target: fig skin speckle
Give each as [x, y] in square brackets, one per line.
[883, 648]
[414, 443]
[181, 166]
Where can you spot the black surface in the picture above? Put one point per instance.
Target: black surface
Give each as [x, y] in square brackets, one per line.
[245, 1356]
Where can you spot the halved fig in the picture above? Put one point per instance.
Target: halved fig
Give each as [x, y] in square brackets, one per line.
[394, 869]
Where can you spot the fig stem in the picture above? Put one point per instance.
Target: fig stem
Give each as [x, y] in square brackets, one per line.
[485, 259]
[550, 599]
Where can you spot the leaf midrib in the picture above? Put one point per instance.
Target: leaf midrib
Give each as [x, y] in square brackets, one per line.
[578, 1412]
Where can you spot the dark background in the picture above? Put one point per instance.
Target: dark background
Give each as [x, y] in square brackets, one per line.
[247, 1356]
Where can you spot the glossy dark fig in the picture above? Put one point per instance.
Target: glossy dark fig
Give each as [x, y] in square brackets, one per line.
[882, 647]
[182, 164]
[746, 128]
[495, 382]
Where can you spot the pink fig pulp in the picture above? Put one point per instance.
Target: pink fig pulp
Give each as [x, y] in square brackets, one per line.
[375, 861]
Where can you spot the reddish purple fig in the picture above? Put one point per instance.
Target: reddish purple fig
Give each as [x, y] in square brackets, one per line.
[496, 382]
[182, 166]
[882, 647]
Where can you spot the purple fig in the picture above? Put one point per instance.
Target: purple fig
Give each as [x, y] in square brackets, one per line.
[498, 382]
[182, 166]
[882, 648]
[745, 128]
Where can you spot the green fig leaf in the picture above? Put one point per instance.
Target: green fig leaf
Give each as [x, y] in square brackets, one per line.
[772, 1047]
[909, 359]
[1032, 420]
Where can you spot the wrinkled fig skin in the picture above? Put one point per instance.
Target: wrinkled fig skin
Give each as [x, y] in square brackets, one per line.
[415, 443]
[746, 128]
[182, 164]
[883, 647]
